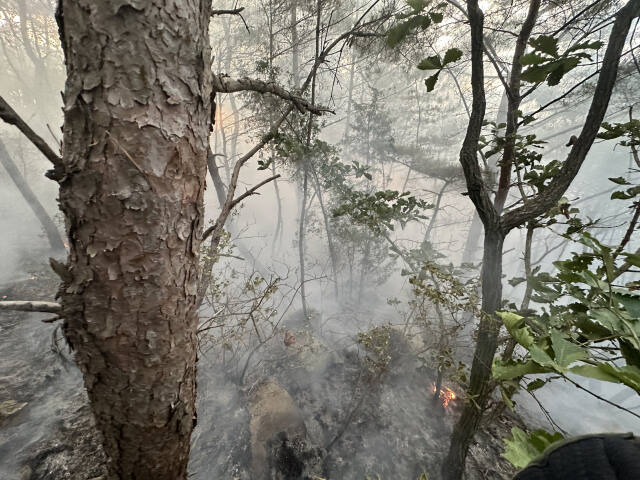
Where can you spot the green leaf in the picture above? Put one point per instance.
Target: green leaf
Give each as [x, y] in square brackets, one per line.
[607, 319]
[430, 63]
[541, 357]
[585, 46]
[592, 371]
[536, 384]
[559, 68]
[396, 34]
[627, 374]
[431, 81]
[511, 320]
[417, 5]
[631, 304]
[517, 329]
[632, 258]
[452, 55]
[508, 371]
[619, 180]
[566, 352]
[532, 58]
[437, 17]
[535, 74]
[545, 44]
[515, 281]
[521, 449]
[630, 193]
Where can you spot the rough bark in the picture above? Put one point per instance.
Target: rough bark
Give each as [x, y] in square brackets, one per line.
[137, 117]
[50, 229]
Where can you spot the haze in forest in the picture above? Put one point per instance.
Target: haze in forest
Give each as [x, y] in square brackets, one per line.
[398, 236]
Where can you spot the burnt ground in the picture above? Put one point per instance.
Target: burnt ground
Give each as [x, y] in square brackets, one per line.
[360, 419]
[50, 433]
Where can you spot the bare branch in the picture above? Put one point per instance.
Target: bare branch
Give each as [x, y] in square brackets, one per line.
[232, 11]
[608, 73]
[476, 187]
[629, 233]
[252, 190]
[514, 98]
[10, 116]
[222, 218]
[226, 84]
[31, 306]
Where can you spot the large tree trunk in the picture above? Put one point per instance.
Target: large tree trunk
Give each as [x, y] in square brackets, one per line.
[50, 229]
[137, 117]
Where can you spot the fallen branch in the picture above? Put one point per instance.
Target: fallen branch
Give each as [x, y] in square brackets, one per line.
[226, 84]
[31, 306]
[10, 116]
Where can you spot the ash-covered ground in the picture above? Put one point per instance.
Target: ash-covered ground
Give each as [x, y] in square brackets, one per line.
[323, 406]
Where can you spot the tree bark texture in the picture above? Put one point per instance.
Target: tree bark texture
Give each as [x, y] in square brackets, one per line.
[137, 115]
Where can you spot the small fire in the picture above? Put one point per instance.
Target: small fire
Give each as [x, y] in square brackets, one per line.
[446, 395]
[66, 245]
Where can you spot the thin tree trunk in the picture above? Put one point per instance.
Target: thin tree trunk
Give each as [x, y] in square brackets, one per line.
[513, 109]
[301, 225]
[50, 229]
[279, 222]
[479, 389]
[347, 127]
[134, 154]
[305, 171]
[277, 236]
[295, 53]
[472, 246]
[436, 210]
[364, 265]
[327, 226]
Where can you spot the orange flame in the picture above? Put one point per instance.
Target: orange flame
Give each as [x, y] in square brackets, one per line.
[446, 395]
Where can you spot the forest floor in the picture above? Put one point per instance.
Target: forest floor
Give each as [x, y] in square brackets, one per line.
[360, 417]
